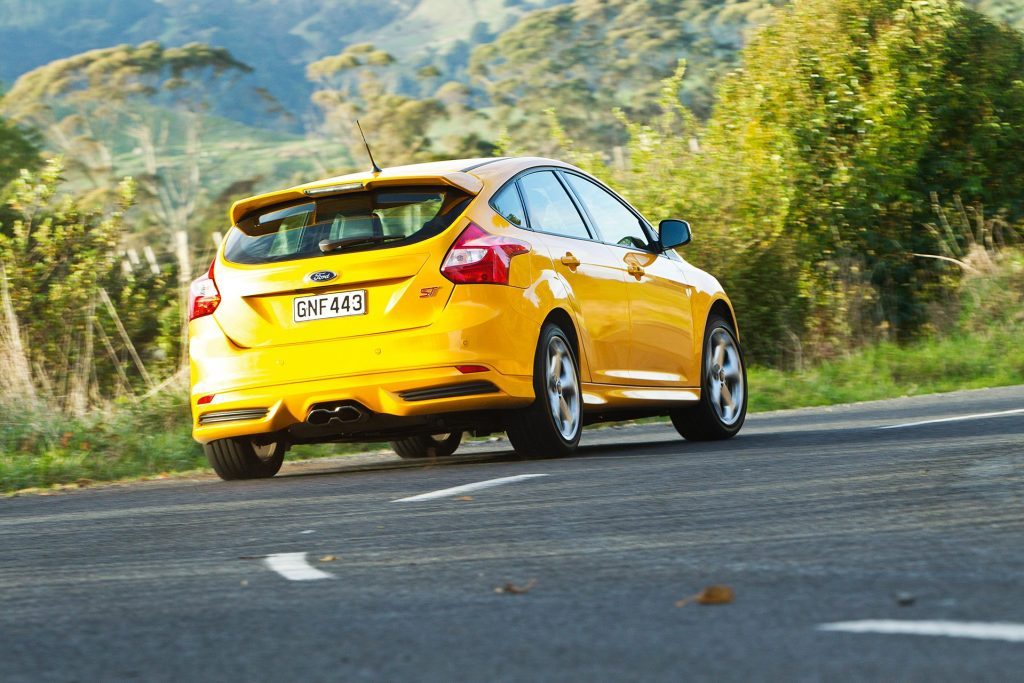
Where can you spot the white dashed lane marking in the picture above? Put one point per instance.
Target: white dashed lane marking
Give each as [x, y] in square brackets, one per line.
[959, 418]
[467, 488]
[979, 630]
[293, 566]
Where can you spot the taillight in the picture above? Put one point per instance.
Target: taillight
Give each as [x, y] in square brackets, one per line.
[203, 296]
[478, 257]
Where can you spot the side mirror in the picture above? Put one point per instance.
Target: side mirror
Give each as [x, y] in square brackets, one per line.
[674, 233]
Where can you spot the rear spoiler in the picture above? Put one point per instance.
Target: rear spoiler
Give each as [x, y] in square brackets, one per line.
[239, 210]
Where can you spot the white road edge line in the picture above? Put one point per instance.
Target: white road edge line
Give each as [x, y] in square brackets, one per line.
[959, 418]
[979, 630]
[293, 566]
[457, 490]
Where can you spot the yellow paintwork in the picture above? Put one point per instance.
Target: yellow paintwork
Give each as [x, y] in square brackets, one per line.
[639, 318]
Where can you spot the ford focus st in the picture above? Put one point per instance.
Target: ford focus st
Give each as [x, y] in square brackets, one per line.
[420, 303]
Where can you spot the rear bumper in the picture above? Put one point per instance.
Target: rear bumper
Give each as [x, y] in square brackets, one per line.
[406, 374]
[290, 404]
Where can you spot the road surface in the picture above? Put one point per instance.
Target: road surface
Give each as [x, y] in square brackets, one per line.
[855, 552]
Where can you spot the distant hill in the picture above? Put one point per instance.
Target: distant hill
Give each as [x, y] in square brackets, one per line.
[278, 38]
[1010, 11]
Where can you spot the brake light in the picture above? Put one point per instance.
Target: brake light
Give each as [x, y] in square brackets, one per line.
[478, 257]
[203, 296]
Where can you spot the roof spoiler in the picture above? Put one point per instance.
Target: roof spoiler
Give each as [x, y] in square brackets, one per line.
[239, 210]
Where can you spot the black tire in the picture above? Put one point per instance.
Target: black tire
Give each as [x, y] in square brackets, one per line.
[238, 459]
[427, 446]
[536, 432]
[702, 421]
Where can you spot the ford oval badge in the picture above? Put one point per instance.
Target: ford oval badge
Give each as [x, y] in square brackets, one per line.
[322, 276]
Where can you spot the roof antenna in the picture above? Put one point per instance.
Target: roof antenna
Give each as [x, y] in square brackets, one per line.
[376, 168]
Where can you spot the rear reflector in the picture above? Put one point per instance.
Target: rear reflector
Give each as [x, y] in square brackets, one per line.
[470, 369]
[203, 400]
[478, 257]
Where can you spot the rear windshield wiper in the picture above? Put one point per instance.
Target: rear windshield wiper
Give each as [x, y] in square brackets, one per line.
[327, 246]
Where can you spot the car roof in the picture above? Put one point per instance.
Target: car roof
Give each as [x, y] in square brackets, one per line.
[471, 175]
[480, 166]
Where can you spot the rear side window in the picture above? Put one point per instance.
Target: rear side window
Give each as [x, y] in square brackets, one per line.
[510, 206]
[369, 220]
[549, 205]
[614, 222]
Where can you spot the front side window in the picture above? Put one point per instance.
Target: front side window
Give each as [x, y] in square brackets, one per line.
[615, 223]
[551, 209]
[361, 220]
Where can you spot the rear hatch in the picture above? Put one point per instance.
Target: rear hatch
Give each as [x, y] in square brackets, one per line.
[357, 262]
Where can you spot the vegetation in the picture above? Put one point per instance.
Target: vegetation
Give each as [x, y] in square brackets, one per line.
[811, 185]
[980, 348]
[586, 58]
[852, 169]
[40, 449]
[18, 150]
[278, 38]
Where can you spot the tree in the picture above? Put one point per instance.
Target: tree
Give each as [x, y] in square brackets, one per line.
[846, 115]
[145, 98]
[358, 84]
[75, 327]
[587, 58]
[18, 149]
[810, 187]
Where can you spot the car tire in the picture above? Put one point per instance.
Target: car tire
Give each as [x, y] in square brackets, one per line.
[427, 446]
[723, 390]
[552, 425]
[238, 458]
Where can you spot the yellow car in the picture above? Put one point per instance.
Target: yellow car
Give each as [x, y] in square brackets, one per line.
[418, 303]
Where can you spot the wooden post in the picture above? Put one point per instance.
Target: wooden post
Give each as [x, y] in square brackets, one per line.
[184, 280]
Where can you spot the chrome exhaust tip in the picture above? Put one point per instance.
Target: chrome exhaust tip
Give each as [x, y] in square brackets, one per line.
[346, 414]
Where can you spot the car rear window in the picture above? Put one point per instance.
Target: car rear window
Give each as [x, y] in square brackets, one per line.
[387, 217]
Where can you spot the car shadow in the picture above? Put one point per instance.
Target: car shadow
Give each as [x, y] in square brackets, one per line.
[628, 447]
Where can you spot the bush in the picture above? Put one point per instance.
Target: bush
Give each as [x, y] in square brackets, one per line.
[39, 447]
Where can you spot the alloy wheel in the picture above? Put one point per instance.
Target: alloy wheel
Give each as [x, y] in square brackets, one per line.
[563, 388]
[725, 377]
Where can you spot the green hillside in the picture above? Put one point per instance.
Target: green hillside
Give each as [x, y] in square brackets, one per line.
[621, 47]
[278, 38]
[1010, 11]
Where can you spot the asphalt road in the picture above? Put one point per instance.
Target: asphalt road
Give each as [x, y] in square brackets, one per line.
[812, 517]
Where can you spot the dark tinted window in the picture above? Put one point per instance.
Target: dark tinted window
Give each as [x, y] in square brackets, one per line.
[549, 205]
[614, 222]
[509, 205]
[385, 218]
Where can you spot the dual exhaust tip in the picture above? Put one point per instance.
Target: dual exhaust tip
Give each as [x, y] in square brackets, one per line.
[343, 414]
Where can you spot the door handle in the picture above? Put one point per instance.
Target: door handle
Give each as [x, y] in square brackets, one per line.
[635, 270]
[571, 261]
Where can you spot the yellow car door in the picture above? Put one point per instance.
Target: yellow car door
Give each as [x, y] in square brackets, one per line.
[661, 316]
[595, 282]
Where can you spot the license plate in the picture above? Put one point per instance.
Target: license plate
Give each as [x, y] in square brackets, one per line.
[337, 305]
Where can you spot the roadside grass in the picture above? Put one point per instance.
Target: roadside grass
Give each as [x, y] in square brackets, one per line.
[991, 359]
[41, 450]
